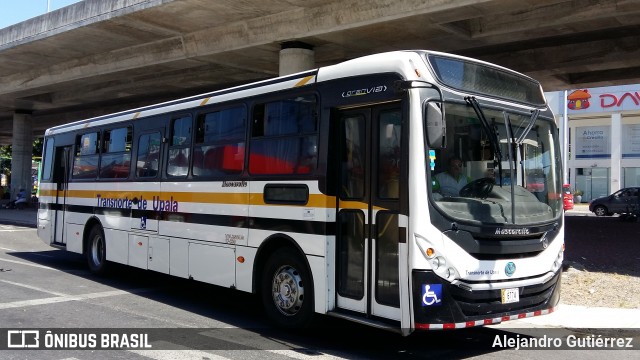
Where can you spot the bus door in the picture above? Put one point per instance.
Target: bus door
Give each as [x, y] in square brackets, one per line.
[60, 176]
[368, 265]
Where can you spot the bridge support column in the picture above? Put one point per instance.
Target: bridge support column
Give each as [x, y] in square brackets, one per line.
[296, 56]
[22, 150]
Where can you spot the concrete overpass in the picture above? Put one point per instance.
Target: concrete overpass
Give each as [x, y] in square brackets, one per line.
[96, 57]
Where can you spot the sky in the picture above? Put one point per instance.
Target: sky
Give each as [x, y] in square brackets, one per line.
[15, 11]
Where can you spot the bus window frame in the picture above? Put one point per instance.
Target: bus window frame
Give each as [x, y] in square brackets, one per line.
[202, 113]
[104, 150]
[252, 138]
[136, 147]
[169, 146]
[77, 155]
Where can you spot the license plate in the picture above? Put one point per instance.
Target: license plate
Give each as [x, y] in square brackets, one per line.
[510, 295]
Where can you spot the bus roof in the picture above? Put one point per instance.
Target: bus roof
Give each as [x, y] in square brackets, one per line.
[410, 64]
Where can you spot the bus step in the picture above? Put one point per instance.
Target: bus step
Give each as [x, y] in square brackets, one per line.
[366, 321]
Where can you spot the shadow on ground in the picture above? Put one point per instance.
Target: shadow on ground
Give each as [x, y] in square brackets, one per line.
[605, 244]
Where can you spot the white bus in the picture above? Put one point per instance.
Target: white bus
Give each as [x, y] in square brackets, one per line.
[317, 192]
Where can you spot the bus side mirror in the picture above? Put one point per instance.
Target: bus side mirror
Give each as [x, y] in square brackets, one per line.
[435, 125]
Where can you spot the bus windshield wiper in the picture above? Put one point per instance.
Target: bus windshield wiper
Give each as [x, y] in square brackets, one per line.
[525, 132]
[491, 133]
[511, 145]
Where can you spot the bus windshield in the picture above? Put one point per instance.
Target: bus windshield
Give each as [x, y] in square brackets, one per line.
[499, 167]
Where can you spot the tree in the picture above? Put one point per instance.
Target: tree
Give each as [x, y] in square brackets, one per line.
[6, 151]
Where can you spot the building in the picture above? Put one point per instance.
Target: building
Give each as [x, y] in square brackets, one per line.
[602, 149]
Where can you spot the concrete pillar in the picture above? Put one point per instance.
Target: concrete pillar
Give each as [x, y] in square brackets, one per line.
[616, 152]
[21, 153]
[296, 56]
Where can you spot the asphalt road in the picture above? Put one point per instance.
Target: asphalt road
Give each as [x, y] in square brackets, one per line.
[47, 289]
[603, 243]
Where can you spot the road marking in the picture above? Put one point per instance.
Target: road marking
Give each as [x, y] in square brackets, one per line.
[34, 288]
[177, 354]
[59, 299]
[296, 354]
[196, 354]
[30, 264]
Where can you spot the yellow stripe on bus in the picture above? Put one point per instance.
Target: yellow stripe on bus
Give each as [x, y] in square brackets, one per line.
[304, 81]
[315, 200]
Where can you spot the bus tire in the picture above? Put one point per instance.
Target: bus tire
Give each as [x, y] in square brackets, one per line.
[97, 251]
[287, 290]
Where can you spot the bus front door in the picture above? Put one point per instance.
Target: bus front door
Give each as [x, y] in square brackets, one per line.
[60, 176]
[368, 265]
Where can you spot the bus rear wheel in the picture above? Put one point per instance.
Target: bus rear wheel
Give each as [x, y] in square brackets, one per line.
[97, 251]
[287, 290]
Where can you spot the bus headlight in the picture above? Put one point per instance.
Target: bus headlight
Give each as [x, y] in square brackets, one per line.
[438, 262]
[450, 273]
[558, 261]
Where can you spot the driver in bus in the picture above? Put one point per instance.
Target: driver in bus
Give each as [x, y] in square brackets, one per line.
[449, 183]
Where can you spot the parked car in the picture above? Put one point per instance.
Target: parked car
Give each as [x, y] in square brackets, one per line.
[624, 201]
[567, 197]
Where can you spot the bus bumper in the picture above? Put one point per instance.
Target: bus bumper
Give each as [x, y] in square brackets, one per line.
[439, 305]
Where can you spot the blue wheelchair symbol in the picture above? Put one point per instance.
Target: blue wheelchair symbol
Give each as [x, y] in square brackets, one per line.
[143, 222]
[432, 295]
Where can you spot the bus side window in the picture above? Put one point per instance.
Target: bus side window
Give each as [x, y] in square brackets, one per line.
[47, 166]
[284, 137]
[148, 155]
[85, 162]
[178, 159]
[116, 153]
[220, 142]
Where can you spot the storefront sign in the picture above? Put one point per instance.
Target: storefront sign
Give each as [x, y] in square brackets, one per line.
[631, 141]
[593, 142]
[604, 99]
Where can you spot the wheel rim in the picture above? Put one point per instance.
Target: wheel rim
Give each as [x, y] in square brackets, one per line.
[287, 290]
[600, 211]
[97, 250]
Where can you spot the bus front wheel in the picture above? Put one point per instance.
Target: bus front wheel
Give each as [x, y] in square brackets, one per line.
[96, 251]
[287, 290]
